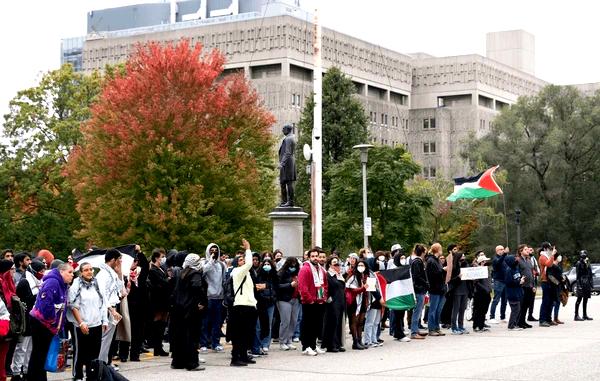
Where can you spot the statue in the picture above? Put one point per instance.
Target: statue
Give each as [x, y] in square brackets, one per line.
[287, 167]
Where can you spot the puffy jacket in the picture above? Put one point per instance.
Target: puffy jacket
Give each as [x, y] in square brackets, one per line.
[435, 275]
[306, 285]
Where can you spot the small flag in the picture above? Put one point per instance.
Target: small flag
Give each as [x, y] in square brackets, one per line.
[397, 288]
[481, 186]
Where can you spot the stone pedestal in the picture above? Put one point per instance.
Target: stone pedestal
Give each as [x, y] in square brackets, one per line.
[287, 230]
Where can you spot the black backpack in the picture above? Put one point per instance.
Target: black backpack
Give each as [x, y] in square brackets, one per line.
[228, 293]
[18, 317]
[99, 371]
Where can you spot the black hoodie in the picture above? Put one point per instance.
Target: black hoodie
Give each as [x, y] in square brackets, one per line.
[419, 276]
[436, 275]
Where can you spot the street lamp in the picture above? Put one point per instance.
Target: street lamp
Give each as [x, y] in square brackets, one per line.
[364, 152]
[518, 223]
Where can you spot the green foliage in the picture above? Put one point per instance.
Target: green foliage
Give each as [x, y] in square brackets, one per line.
[549, 146]
[174, 155]
[396, 211]
[38, 206]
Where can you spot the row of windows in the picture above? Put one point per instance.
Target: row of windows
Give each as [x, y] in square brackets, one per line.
[429, 123]
[296, 101]
[429, 148]
[384, 120]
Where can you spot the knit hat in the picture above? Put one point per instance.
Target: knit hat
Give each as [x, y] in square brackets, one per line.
[47, 255]
[5, 265]
[37, 265]
[55, 263]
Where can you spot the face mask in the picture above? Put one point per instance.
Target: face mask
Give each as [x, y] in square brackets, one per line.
[361, 269]
[559, 259]
[267, 268]
[381, 258]
[39, 275]
[403, 262]
[163, 260]
[292, 269]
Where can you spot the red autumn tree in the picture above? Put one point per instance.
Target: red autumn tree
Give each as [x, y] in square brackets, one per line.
[175, 155]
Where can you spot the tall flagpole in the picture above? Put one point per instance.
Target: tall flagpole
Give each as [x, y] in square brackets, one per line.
[317, 154]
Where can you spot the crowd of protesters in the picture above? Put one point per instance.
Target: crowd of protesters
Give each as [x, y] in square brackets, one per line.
[252, 300]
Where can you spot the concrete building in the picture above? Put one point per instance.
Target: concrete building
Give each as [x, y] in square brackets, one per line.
[431, 105]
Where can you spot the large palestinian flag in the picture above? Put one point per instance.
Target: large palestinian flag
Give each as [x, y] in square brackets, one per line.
[397, 288]
[481, 186]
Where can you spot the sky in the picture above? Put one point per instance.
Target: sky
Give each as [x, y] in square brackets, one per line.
[566, 32]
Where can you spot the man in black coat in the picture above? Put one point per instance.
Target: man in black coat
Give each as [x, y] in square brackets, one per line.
[287, 167]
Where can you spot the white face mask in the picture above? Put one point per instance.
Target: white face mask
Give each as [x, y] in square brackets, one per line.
[559, 259]
[381, 258]
[163, 260]
[403, 262]
[361, 269]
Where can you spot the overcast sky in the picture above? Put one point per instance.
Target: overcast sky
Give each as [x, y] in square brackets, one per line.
[566, 32]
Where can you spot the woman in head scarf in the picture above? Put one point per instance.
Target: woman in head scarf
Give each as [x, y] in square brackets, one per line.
[189, 302]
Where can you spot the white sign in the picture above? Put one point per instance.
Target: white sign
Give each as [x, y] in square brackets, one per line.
[371, 284]
[470, 273]
[367, 226]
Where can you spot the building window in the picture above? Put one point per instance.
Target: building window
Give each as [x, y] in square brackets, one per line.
[429, 172]
[429, 147]
[429, 123]
[293, 99]
[386, 119]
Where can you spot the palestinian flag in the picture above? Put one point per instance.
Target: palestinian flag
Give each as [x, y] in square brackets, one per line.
[397, 288]
[481, 186]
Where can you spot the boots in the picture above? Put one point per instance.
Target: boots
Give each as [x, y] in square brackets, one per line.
[357, 345]
[577, 318]
[157, 334]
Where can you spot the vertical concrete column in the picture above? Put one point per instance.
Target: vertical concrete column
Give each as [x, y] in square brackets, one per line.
[288, 231]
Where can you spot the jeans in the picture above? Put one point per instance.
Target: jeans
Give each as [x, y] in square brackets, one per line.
[556, 308]
[515, 308]
[288, 314]
[416, 316]
[298, 324]
[211, 324]
[458, 311]
[528, 295]
[436, 304]
[371, 326]
[499, 295]
[258, 344]
[547, 301]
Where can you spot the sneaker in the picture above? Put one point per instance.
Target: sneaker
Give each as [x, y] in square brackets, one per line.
[374, 345]
[309, 352]
[457, 332]
[464, 331]
[405, 339]
[201, 360]
[503, 321]
[218, 348]
[544, 324]
[531, 318]
[203, 350]
[440, 333]
[237, 363]
[320, 350]
[265, 349]
[115, 367]
[284, 347]
[417, 337]
[477, 330]
[485, 329]
[292, 346]
[577, 318]
[434, 333]
[296, 340]
[493, 321]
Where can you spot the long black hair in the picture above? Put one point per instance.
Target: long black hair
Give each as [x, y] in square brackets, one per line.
[290, 262]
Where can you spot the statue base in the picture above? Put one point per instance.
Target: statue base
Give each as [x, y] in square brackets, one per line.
[287, 230]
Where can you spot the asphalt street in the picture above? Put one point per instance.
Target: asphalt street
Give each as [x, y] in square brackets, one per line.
[565, 352]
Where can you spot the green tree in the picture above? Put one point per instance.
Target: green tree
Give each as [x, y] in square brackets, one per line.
[549, 146]
[38, 206]
[175, 155]
[396, 211]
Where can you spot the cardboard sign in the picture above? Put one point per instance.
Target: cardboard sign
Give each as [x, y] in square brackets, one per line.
[471, 273]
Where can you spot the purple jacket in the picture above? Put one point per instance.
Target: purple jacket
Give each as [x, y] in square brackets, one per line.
[51, 302]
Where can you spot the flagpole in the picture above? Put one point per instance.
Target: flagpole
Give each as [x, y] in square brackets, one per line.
[505, 219]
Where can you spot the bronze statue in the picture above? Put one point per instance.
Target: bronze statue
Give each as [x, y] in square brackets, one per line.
[287, 167]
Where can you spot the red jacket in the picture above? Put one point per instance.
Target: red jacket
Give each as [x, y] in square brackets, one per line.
[306, 285]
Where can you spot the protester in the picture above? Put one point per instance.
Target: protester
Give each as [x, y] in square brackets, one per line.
[555, 279]
[546, 260]
[499, 276]
[288, 302]
[437, 289]
[526, 270]
[513, 281]
[89, 315]
[190, 301]
[461, 289]
[421, 286]
[160, 291]
[214, 271]
[356, 301]
[48, 317]
[334, 310]
[560, 287]
[138, 303]
[27, 290]
[373, 314]
[481, 297]
[312, 286]
[46, 256]
[242, 319]
[7, 291]
[265, 280]
[111, 285]
[584, 284]
[22, 262]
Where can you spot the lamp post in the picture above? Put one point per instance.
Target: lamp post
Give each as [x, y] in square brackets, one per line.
[364, 155]
[518, 223]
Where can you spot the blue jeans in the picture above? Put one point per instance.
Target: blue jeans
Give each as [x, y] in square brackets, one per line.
[499, 294]
[436, 303]
[211, 324]
[416, 316]
[266, 342]
[547, 302]
[298, 325]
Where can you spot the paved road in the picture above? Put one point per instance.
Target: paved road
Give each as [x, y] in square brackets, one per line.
[566, 352]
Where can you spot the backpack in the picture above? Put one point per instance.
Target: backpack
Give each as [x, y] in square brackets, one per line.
[18, 317]
[228, 293]
[100, 371]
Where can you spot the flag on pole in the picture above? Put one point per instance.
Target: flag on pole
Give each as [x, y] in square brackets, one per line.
[397, 288]
[481, 186]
